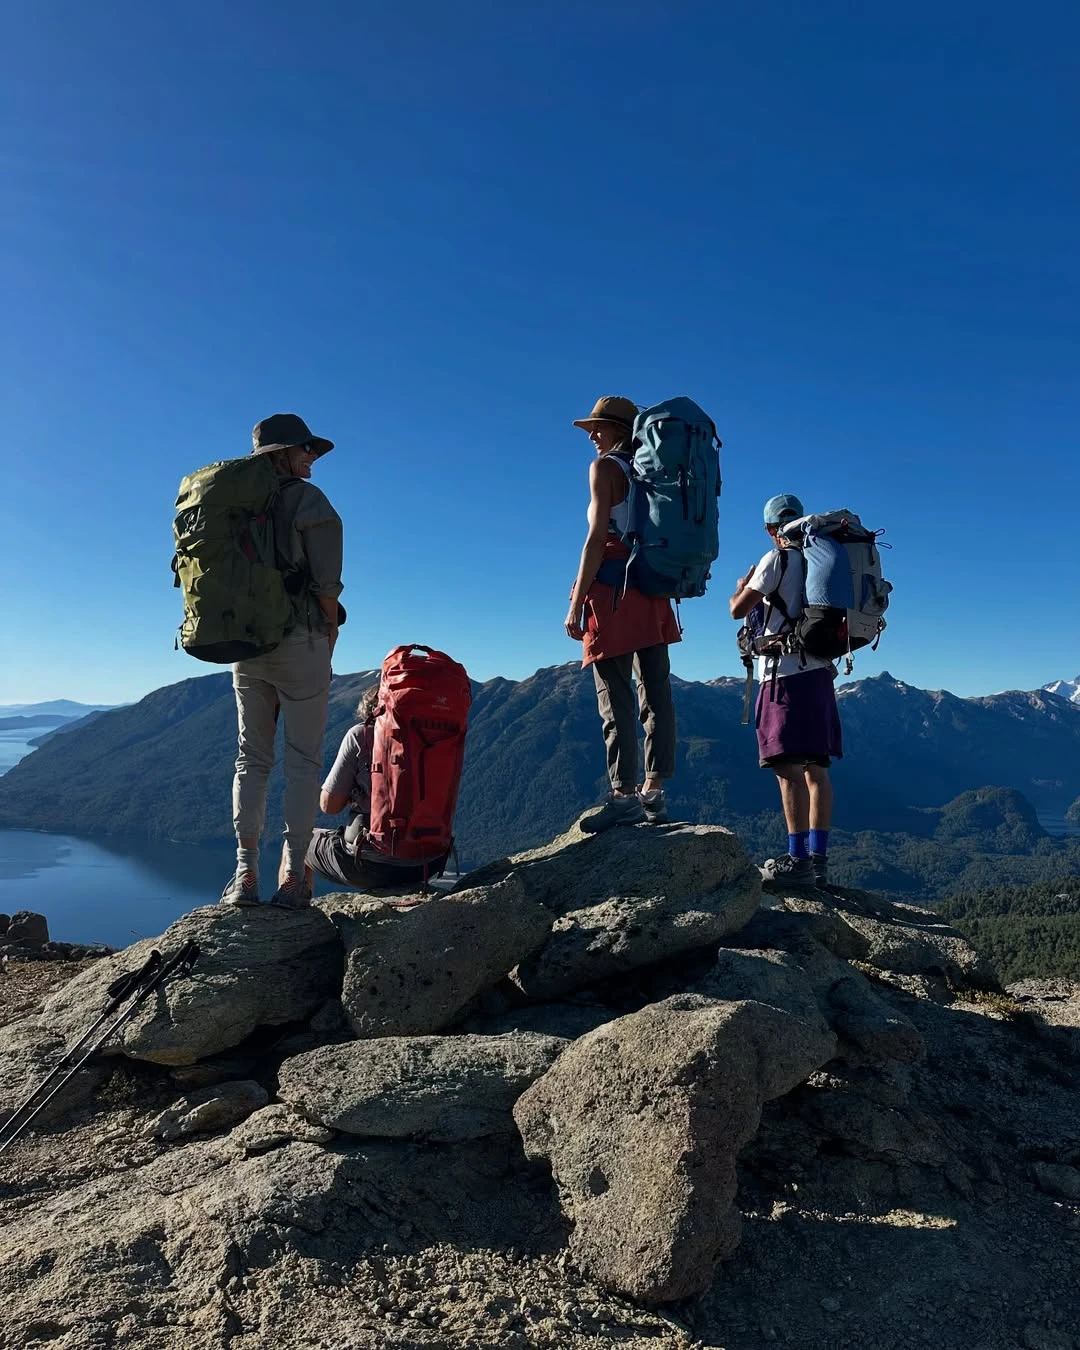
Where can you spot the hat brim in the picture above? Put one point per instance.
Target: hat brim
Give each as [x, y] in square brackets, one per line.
[587, 422]
[321, 444]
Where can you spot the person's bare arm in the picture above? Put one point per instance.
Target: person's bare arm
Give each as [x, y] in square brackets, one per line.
[743, 599]
[605, 480]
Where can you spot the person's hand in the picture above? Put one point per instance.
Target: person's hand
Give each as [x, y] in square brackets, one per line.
[573, 625]
[744, 581]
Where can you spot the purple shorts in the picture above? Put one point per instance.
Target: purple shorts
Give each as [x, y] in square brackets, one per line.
[797, 721]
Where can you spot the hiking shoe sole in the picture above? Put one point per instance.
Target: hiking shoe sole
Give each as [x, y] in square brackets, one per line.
[280, 901]
[600, 825]
[295, 892]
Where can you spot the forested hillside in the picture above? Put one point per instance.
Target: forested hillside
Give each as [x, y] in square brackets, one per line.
[1026, 931]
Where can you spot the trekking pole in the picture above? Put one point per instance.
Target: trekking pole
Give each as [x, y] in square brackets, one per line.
[181, 961]
[748, 662]
[117, 993]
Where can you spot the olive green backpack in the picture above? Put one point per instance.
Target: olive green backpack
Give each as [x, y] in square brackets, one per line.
[236, 595]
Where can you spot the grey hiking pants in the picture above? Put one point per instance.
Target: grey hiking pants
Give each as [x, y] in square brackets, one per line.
[294, 681]
[621, 712]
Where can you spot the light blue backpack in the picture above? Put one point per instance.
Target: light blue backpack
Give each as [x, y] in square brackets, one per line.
[846, 596]
[672, 505]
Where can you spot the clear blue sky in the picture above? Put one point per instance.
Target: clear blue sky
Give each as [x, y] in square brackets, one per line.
[439, 232]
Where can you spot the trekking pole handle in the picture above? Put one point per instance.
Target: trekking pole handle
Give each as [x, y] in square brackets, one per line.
[121, 989]
[125, 985]
[181, 961]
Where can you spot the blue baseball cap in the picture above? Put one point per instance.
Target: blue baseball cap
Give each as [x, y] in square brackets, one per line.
[783, 507]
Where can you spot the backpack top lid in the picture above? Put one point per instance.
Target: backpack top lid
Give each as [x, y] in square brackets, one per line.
[680, 409]
[821, 522]
[843, 569]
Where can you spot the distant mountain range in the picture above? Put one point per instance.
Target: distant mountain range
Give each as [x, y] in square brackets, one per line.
[27, 721]
[161, 768]
[1069, 689]
[56, 710]
[25, 725]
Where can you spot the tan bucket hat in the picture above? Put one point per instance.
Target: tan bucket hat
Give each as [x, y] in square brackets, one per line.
[282, 430]
[611, 409]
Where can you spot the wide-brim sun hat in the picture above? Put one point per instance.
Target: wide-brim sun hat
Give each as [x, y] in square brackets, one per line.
[784, 506]
[283, 430]
[621, 411]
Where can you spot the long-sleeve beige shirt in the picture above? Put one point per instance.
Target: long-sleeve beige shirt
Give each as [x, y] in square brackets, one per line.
[310, 537]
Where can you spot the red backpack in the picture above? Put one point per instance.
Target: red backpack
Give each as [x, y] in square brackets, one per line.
[420, 725]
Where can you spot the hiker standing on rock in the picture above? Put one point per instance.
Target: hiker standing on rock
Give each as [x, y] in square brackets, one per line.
[625, 633]
[293, 680]
[797, 722]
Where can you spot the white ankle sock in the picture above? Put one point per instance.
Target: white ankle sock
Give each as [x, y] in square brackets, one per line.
[294, 862]
[247, 859]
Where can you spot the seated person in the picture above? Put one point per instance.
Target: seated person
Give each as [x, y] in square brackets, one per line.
[340, 855]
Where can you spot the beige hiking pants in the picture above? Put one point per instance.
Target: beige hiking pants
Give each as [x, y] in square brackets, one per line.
[292, 681]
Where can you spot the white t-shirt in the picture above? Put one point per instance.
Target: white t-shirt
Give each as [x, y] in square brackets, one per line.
[765, 579]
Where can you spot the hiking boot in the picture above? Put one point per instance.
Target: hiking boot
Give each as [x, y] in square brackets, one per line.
[788, 871]
[242, 890]
[655, 807]
[820, 863]
[293, 893]
[615, 811]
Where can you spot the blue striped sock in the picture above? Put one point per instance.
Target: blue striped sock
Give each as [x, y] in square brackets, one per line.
[797, 844]
[819, 842]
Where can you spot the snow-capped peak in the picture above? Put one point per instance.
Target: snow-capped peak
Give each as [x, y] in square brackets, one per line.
[1069, 689]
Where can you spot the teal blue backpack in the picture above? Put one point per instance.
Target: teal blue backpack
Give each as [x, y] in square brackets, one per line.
[673, 510]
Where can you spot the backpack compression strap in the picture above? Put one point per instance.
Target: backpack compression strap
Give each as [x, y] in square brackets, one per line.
[775, 600]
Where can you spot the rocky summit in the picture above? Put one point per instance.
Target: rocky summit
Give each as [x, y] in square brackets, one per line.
[605, 1094]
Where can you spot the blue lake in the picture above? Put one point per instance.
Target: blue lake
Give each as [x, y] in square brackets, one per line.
[107, 890]
[116, 890]
[15, 744]
[104, 890]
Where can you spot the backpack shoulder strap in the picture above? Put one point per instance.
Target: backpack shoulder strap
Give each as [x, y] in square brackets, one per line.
[283, 509]
[774, 600]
